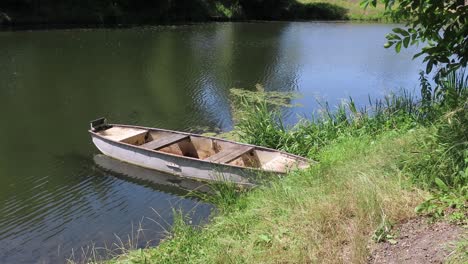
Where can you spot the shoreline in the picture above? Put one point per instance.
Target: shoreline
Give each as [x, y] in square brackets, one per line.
[373, 176]
[28, 16]
[85, 26]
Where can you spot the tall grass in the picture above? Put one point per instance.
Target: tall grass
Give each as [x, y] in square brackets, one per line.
[224, 195]
[439, 160]
[260, 123]
[372, 161]
[100, 254]
[443, 153]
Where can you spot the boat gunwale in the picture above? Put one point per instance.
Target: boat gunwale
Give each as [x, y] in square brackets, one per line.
[201, 160]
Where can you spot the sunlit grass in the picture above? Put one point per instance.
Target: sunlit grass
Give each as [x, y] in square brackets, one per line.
[326, 213]
[373, 162]
[356, 12]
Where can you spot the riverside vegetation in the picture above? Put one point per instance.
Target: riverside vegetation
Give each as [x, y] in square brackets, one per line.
[377, 166]
[25, 12]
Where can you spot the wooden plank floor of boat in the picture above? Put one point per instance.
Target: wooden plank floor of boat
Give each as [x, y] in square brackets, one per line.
[229, 154]
[164, 142]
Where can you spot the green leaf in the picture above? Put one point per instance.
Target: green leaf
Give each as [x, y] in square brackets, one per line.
[406, 42]
[388, 44]
[420, 208]
[364, 4]
[429, 66]
[442, 186]
[418, 54]
[392, 36]
[400, 31]
[398, 47]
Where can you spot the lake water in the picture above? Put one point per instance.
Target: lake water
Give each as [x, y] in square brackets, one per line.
[56, 197]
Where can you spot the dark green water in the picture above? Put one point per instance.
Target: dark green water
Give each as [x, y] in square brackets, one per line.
[55, 198]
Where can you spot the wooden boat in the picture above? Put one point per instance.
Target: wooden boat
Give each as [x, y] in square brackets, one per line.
[190, 155]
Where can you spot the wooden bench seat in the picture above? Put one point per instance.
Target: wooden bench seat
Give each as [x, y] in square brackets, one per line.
[164, 141]
[122, 134]
[229, 154]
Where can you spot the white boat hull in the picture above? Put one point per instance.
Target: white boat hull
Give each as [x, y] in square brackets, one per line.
[175, 165]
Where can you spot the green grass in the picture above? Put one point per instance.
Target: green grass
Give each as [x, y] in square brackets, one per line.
[326, 213]
[355, 11]
[376, 166]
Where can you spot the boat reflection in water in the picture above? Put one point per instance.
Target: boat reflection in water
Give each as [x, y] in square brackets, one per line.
[161, 181]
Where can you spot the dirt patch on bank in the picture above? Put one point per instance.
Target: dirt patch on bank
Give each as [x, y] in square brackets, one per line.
[417, 241]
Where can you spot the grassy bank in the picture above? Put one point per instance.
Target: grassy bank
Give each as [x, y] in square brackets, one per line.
[325, 214]
[109, 12]
[376, 166]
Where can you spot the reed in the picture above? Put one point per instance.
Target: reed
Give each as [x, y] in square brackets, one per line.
[260, 123]
[99, 254]
[442, 153]
[438, 161]
[224, 195]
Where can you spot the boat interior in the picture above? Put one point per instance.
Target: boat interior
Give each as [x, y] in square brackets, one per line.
[203, 148]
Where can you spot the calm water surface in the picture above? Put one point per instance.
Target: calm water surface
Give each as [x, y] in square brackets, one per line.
[54, 194]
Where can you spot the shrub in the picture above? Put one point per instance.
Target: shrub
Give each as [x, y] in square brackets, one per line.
[322, 11]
